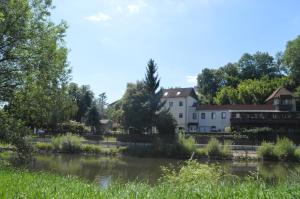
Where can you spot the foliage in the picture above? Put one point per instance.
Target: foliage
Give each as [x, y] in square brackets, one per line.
[192, 180]
[260, 133]
[83, 97]
[44, 146]
[73, 127]
[166, 124]
[215, 149]
[135, 107]
[14, 132]
[284, 149]
[67, 143]
[185, 146]
[154, 96]
[250, 80]
[250, 91]
[291, 58]
[266, 151]
[93, 118]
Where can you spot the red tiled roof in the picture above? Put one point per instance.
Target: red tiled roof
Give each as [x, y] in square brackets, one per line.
[280, 91]
[236, 107]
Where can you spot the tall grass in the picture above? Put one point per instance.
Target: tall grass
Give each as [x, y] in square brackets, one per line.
[193, 180]
[284, 149]
[215, 149]
[67, 143]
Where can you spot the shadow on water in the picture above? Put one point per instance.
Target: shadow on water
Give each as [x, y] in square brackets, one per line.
[104, 169]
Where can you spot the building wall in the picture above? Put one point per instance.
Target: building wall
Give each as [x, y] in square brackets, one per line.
[185, 110]
[207, 124]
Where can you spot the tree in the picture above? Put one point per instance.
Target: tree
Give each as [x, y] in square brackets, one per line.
[83, 97]
[209, 82]
[166, 123]
[152, 85]
[101, 103]
[135, 107]
[93, 118]
[291, 58]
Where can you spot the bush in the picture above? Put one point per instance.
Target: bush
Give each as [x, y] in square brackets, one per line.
[266, 151]
[185, 146]
[260, 134]
[67, 143]
[90, 148]
[297, 153]
[284, 149]
[215, 149]
[166, 124]
[73, 127]
[44, 146]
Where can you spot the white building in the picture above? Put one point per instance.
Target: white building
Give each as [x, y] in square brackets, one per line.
[279, 111]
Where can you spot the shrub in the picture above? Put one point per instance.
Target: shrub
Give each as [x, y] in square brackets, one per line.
[44, 146]
[73, 127]
[284, 149]
[214, 148]
[67, 143]
[166, 124]
[266, 151]
[297, 153]
[259, 134]
[185, 146]
[90, 148]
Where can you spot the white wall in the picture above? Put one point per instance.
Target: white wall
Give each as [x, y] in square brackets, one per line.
[220, 124]
[185, 109]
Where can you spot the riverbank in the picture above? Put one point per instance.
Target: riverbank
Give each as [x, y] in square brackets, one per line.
[193, 180]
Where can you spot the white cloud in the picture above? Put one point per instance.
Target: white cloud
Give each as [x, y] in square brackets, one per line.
[99, 17]
[133, 8]
[191, 79]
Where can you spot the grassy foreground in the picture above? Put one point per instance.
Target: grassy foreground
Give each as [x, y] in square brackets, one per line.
[192, 181]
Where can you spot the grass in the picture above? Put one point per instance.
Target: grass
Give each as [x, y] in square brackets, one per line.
[193, 180]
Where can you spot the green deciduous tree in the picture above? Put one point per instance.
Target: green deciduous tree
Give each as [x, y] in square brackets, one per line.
[291, 58]
[135, 106]
[166, 123]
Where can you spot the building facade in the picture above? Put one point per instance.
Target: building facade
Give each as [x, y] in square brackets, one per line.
[278, 111]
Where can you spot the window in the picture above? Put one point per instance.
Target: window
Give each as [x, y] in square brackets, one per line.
[223, 115]
[180, 115]
[166, 94]
[178, 93]
[180, 103]
[194, 116]
[203, 116]
[213, 115]
[170, 104]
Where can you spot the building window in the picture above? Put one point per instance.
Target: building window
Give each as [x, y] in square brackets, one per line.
[194, 116]
[213, 115]
[170, 104]
[180, 115]
[223, 115]
[180, 103]
[203, 116]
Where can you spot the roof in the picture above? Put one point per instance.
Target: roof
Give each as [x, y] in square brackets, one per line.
[179, 92]
[237, 107]
[105, 121]
[279, 92]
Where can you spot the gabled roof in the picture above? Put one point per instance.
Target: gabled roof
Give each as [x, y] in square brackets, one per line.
[248, 107]
[279, 92]
[179, 92]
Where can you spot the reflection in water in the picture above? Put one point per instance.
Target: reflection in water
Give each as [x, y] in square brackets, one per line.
[104, 169]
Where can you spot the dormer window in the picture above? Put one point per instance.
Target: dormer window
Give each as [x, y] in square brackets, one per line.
[166, 94]
[178, 93]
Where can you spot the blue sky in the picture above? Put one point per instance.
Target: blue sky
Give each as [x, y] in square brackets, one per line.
[111, 41]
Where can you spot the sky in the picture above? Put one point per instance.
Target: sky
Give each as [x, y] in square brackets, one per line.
[111, 41]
